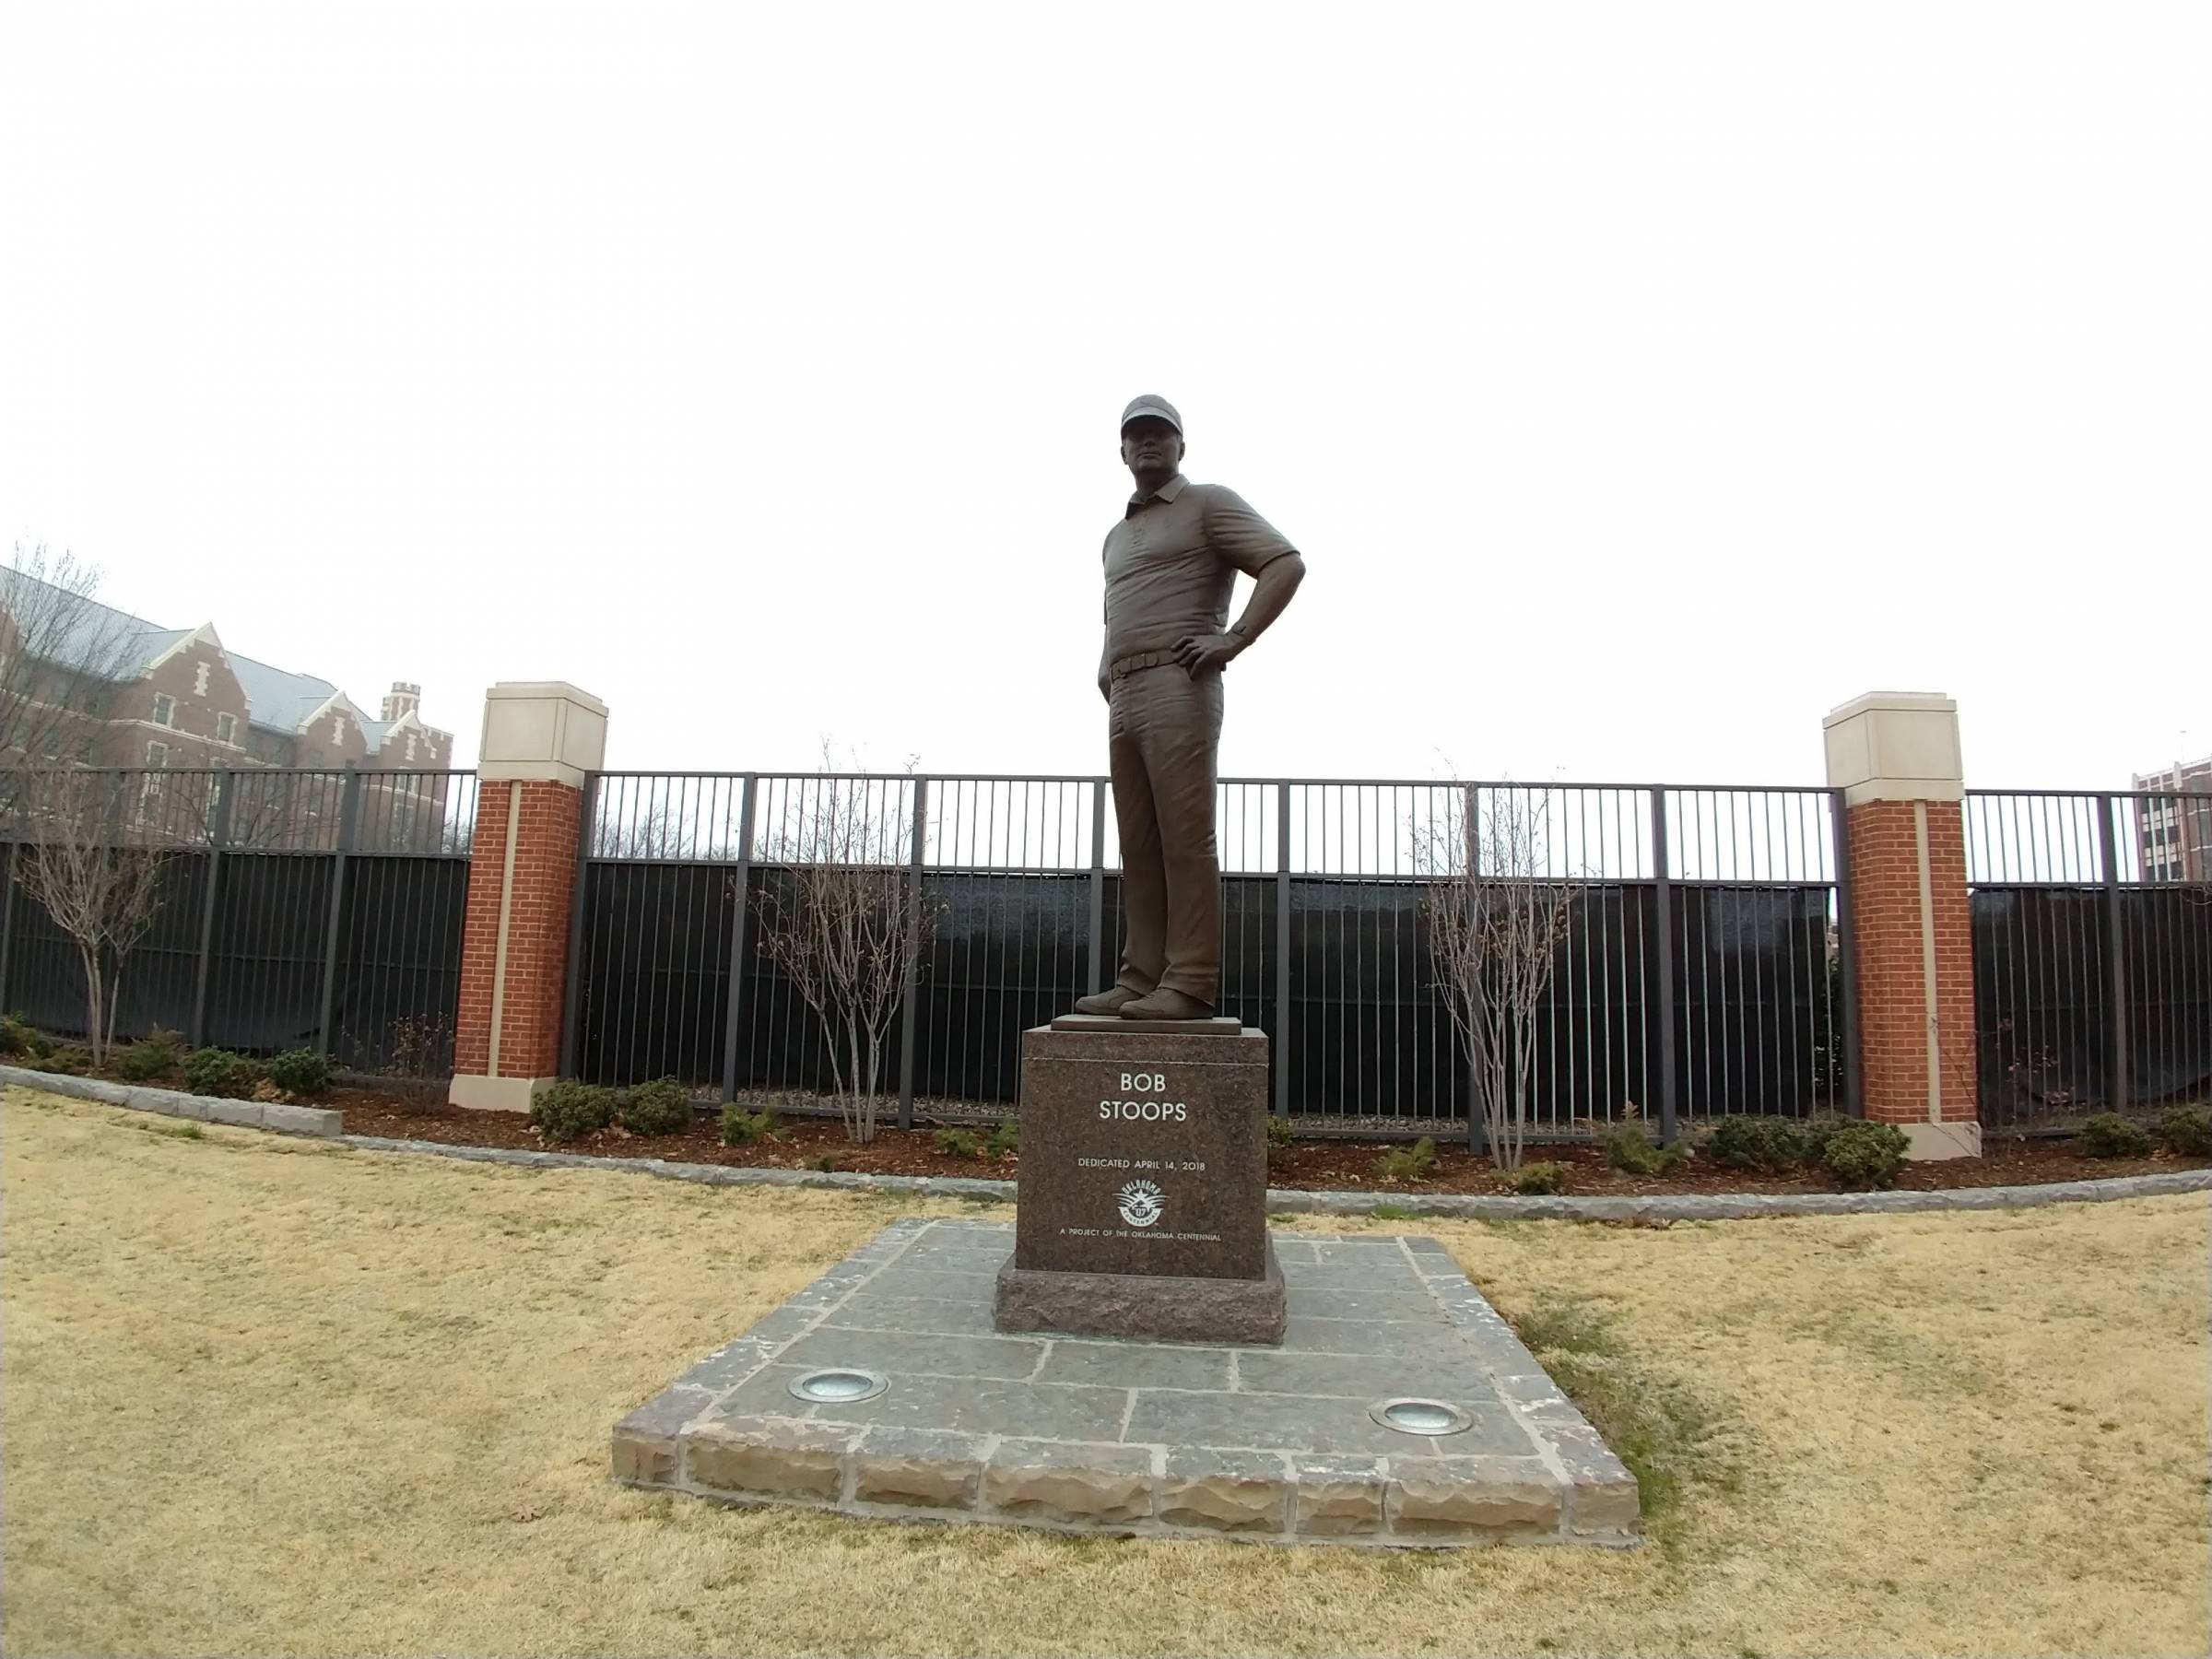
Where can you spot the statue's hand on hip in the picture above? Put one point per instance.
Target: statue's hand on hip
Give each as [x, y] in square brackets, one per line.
[1199, 653]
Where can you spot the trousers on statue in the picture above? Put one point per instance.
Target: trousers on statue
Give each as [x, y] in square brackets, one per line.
[1163, 736]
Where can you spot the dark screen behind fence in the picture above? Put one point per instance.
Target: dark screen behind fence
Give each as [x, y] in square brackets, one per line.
[2065, 1024]
[299, 910]
[1342, 978]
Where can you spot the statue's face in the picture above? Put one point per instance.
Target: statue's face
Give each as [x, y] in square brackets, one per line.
[1151, 444]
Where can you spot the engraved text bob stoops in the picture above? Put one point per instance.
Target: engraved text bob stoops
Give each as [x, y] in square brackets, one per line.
[1151, 1111]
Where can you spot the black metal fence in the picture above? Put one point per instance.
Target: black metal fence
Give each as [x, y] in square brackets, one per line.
[1701, 973]
[2093, 925]
[296, 908]
[1704, 969]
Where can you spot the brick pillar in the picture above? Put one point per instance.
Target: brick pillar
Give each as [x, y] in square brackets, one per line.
[1895, 755]
[540, 739]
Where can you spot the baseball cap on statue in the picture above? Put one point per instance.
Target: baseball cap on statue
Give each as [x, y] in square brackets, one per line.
[1159, 408]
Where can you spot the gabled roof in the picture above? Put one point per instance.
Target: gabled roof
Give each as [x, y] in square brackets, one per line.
[281, 702]
[125, 647]
[94, 638]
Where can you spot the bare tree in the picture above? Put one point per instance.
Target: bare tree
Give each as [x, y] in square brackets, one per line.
[840, 917]
[97, 862]
[1496, 907]
[61, 654]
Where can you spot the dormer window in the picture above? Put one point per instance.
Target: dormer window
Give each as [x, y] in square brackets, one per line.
[165, 708]
[226, 728]
[199, 681]
[410, 748]
[338, 728]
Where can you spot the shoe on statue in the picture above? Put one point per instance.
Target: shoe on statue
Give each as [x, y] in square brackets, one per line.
[1166, 1004]
[1110, 1001]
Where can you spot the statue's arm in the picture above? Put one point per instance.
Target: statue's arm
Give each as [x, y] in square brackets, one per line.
[1249, 543]
[1271, 591]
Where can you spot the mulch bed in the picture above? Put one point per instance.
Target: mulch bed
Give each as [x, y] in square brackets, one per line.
[1313, 1166]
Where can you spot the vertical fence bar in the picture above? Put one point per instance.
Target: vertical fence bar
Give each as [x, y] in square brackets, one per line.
[1847, 957]
[1470, 835]
[734, 1014]
[571, 1009]
[218, 835]
[1097, 887]
[2115, 954]
[7, 913]
[1665, 906]
[1283, 1020]
[913, 956]
[349, 826]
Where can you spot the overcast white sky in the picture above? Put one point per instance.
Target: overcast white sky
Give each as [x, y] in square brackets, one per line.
[1639, 381]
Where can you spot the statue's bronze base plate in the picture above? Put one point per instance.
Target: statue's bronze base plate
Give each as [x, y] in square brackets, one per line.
[1220, 1025]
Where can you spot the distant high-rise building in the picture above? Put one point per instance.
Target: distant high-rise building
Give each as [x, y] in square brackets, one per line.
[2174, 834]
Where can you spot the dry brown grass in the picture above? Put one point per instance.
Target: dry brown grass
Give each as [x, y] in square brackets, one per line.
[265, 1395]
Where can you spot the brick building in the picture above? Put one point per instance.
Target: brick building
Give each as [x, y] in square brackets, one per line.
[2175, 835]
[109, 689]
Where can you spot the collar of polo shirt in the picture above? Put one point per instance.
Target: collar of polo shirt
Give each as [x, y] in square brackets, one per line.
[1166, 493]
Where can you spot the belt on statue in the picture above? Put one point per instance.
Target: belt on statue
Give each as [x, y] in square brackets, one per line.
[1143, 659]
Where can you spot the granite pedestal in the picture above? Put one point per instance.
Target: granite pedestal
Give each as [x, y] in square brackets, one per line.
[1144, 1185]
[959, 1421]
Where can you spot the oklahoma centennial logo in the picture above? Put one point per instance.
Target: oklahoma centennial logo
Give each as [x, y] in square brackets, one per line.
[1140, 1203]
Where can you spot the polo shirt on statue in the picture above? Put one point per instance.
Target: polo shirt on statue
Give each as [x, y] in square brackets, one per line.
[1172, 564]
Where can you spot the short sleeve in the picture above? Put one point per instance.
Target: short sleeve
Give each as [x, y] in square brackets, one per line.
[1238, 534]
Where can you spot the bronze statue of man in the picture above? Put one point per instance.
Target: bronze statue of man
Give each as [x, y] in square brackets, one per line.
[1172, 564]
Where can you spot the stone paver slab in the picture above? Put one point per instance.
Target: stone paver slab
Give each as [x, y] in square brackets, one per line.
[917, 1353]
[992, 1405]
[1137, 1365]
[935, 1284]
[866, 1310]
[1355, 1376]
[1293, 1423]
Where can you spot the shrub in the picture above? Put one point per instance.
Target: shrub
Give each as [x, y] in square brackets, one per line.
[157, 1054]
[61, 1058]
[959, 1143]
[827, 1163]
[660, 1107]
[570, 1110]
[742, 1128]
[1005, 1139]
[1407, 1164]
[299, 1071]
[2108, 1135]
[1864, 1156]
[1813, 1134]
[219, 1072]
[2186, 1130]
[1757, 1143]
[18, 1036]
[1536, 1179]
[1628, 1147]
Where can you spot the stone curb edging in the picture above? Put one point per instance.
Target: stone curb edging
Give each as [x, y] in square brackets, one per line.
[318, 1121]
[1676, 1206]
[1666, 1206]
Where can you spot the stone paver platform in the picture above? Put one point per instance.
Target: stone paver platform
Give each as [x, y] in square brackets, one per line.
[1150, 1439]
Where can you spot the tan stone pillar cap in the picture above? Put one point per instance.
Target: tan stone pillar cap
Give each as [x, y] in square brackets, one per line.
[541, 731]
[1895, 746]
